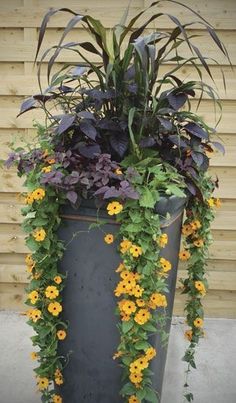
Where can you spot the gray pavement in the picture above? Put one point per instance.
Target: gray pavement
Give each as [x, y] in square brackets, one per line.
[213, 382]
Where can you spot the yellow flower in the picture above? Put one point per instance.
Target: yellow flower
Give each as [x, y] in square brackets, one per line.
[54, 308]
[33, 296]
[195, 225]
[129, 307]
[114, 208]
[187, 230]
[200, 287]
[46, 170]
[56, 399]
[188, 335]
[117, 355]
[59, 380]
[29, 260]
[38, 194]
[150, 353]
[158, 300]
[33, 355]
[29, 198]
[137, 291]
[211, 202]
[163, 240]
[136, 378]
[142, 362]
[125, 245]
[217, 203]
[140, 302]
[198, 322]
[57, 279]
[57, 372]
[184, 255]
[165, 264]
[51, 161]
[124, 317]
[118, 171]
[39, 235]
[35, 315]
[42, 383]
[109, 238]
[198, 243]
[61, 334]
[133, 399]
[51, 292]
[120, 268]
[135, 251]
[135, 368]
[142, 316]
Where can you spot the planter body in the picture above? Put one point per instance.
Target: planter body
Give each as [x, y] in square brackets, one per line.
[92, 376]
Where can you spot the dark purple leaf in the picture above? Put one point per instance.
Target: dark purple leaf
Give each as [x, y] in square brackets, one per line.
[65, 89]
[65, 123]
[165, 123]
[89, 151]
[88, 129]
[119, 143]
[86, 115]
[218, 146]
[11, 158]
[196, 130]
[27, 105]
[175, 139]
[147, 142]
[43, 98]
[197, 158]
[72, 179]
[72, 196]
[108, 124]
[177, 100]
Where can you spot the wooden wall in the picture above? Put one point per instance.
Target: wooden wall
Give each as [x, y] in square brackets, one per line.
[19, 22]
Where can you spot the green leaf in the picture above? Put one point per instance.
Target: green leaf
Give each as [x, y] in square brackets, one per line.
[128, 389]
[149, 327]
[151, 396]
[147, 200]
[141, 345]
[126, 326]
[141, 394]
[175, 190]
[32, 244]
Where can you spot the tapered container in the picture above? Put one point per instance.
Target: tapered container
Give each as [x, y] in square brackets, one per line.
[92, 376]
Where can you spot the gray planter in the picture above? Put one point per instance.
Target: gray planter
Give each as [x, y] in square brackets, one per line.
[92, 376]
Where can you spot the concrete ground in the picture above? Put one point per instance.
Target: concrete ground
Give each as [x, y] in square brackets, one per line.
[213, 382]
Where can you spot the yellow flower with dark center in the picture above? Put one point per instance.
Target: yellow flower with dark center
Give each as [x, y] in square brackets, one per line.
[120, 268]
[118, 171]
[142, 316]
[133, 399]
[114, 208]
[33, 296]
[39, 235]
[42, 383]
[137, 291]
[165, 264]
[129, 283]
[29, 198]
[61, 334]
[38, 194]
[211, 202]
[198, 243]
[137, 276]
[200, 287]
[109, 238]
[117, 355]
[46, 170]
[187, 230]
[150, 353]
[142, 362]
[135, 368]
[198, 322]
[195, 225]
[136, 378]
[29, 260]
[136, 251]
[57, 372]
[59, 380]
[51, 161]
[125, 245]
[126, 274]
[57, 279]
[184, 255]
[29, 269]
[140, 303]
[217, 203]
[163, 240]
[51, 292]
[35, 315]
[124, 317]
[56, 399]
[33, 355]
[188, 335]
[129, 307]
[158, 300]
[55, 308]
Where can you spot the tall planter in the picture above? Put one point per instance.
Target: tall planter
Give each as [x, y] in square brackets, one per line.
[89, 303]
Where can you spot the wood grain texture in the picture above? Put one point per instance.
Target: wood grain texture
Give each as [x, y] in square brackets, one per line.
[19, 22]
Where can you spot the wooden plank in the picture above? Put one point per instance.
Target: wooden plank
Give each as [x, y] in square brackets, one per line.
[222, 15]
[217, 304]
[12, 239]
[217, 280]
[25, 51]
[12, 296]
[13, 274]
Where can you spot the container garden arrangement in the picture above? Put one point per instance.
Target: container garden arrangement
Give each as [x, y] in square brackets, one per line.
[120, 156]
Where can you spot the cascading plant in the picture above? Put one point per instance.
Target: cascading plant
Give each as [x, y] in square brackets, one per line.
[120, 131]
